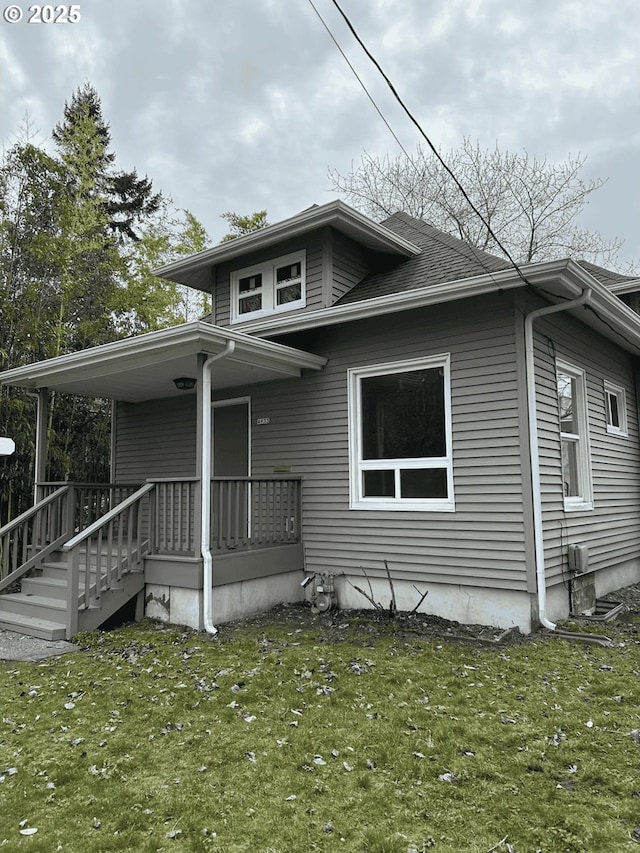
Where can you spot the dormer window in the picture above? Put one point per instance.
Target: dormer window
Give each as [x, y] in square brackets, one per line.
[270, 287]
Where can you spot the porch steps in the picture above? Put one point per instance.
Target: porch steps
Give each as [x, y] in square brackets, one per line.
[40, 608]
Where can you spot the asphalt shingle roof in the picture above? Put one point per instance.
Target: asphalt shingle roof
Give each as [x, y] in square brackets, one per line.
[443, 258]
[604, 276]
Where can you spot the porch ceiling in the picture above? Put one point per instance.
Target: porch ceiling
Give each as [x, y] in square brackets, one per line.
[144, 367]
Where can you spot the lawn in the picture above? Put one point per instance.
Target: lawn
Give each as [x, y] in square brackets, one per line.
[338, 732]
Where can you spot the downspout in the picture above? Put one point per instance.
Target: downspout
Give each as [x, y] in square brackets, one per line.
[534, 451]
[205, 487]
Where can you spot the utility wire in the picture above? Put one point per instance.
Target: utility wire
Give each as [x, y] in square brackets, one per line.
[476, 251]
[428, 141]
[358, 78]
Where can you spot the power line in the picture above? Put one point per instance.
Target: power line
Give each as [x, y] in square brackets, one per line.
[476, 251]
[534, 288]
[358, 78]
[428, 141]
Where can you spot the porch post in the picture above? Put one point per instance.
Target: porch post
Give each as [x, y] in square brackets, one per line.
[197, 528]
[42, 421]
[112, 443]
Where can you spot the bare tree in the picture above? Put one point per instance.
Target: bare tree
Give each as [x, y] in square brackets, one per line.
[530, 205]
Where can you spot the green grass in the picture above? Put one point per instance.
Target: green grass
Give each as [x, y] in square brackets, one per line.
[297, 734]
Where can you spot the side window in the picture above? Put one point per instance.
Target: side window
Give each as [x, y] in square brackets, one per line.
[574, 437]
[400, 436]
[616, 409]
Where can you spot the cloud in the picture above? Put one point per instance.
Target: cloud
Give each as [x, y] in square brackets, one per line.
[243, 105]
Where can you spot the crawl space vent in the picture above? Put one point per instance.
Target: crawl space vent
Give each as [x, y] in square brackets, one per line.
[605, 610]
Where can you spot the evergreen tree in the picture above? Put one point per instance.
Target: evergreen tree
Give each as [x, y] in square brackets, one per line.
[70, 228]
[240, 224]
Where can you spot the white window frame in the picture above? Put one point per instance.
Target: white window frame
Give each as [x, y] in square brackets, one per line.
[611, 390]
[358, 465]
[580, 440]
[269, 289]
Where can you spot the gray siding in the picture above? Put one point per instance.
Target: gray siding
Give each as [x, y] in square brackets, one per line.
[156, 439]
[334, 265]
[611, 530]
[483, 541]
[350, 265]
[486, 541]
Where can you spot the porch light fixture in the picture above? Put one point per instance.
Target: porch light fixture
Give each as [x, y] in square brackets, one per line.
[185, 383]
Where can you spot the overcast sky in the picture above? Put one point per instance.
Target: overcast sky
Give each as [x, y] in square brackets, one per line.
[244, 104]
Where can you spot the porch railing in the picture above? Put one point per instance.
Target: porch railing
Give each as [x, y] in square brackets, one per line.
[100, 556]
[246, 512]
[173, 511]
[91, 500]
[251, 512]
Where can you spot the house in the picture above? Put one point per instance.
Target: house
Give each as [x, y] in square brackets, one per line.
[361, 393]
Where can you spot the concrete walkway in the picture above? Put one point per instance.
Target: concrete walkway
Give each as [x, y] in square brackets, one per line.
[19, 647]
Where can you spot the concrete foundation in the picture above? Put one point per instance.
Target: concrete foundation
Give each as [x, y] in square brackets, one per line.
[180, 606]
[606, 581]
[469, 605]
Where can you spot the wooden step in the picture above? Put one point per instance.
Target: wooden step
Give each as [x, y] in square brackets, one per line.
[38, 606]
[45, 629]
[39, 609]
[48, 587]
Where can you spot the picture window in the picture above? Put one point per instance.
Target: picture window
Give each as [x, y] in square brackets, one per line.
[400, 425]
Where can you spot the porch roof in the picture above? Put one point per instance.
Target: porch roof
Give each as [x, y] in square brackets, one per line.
[144, 367]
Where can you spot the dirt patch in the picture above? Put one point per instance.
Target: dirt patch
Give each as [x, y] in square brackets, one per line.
[340, 624]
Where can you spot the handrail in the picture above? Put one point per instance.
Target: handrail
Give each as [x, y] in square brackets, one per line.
[94, 528]
[262, 478]
[109, 549]
[27, 540]
[174, 480]
[78, 485]
[33, 510]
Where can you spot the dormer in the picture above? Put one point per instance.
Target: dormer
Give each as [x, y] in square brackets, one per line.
[304, 263]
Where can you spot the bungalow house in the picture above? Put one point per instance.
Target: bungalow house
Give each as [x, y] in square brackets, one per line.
[362, 393]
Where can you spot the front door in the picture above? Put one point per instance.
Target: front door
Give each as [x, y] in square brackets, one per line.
[231, 458]
[231, 438]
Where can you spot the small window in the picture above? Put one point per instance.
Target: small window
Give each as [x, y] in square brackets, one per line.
[250, 294]
[400, 423]
[574, 437]
[274, 286]
[616, 409]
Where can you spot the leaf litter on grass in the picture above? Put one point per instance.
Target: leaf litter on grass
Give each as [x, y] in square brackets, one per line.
[418, 740]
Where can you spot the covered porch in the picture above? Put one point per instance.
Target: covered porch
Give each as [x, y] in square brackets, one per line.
[189, 534]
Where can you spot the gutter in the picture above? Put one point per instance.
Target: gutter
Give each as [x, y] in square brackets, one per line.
[534, 450]
[205, 487]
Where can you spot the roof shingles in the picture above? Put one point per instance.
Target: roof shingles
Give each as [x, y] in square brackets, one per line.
[443, 258]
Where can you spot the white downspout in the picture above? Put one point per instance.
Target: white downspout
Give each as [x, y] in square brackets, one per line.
[534, 448]
[205, 487]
